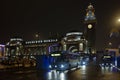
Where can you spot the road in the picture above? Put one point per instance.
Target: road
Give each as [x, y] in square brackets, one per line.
[89, 72]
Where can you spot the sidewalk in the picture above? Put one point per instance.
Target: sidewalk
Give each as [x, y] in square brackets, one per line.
[3, 67]
[7, 67]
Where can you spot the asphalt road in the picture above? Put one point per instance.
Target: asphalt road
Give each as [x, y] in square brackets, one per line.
[90, 72]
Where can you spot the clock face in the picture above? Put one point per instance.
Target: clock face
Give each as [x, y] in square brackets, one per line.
[89, 26]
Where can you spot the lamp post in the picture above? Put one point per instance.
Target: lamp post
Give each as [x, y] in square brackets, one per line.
[115, 34]
[110, 45]
[37, 36]
[119, 20]
[118, 24]
[118, 31]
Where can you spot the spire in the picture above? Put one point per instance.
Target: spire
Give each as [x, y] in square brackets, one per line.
[90, 16]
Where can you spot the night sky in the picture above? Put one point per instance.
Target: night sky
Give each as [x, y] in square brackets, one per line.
[25, 18]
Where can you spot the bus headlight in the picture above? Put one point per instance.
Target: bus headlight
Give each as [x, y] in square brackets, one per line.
[55, 66]
[50, 66]
[84, 63]
[62, 66]
[102, 64]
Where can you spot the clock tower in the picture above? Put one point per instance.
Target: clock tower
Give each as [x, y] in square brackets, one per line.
[90, 28]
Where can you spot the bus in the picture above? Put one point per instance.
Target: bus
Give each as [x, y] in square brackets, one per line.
[106, 60]
[65, 61]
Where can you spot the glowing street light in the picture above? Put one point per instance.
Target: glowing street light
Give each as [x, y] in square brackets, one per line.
[110, 43]
[36, 35]
[119, 20]
[118, 24]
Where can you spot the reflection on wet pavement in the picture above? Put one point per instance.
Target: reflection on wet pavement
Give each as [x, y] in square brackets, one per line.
[91, 72]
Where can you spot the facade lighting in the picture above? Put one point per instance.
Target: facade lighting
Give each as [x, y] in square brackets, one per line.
[74, 33]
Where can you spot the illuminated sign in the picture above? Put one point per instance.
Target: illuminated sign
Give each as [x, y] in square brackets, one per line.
[107, 56]
[41, 41]
[55, 54]
[74, 39]
[74, 33]
[16, 39]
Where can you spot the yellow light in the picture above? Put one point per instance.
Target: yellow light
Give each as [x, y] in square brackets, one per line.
[107, 56]
[110, 43]
[36, 35]
[89, 26]
[118, 20]
[55, 54]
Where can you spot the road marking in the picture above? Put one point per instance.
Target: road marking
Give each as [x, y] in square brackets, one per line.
[116, 67]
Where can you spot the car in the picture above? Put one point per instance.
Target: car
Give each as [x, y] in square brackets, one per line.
[106, 60]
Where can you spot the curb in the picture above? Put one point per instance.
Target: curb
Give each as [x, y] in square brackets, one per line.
[116, 67]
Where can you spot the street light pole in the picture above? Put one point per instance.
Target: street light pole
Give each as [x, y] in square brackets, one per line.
[115, 35]
[37, 36]
[110, 45]
[119, 20]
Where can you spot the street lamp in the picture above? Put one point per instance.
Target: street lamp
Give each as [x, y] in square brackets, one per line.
[37, 36]
[116, 29]
[118, 20]
[118, 26]
[110, 44]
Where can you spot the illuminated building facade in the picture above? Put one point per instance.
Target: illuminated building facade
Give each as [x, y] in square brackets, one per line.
[14, 47]
[41, 47]
[74, 42]
[82, 42]
[2, 51]
[90, 28]
[17, 47]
